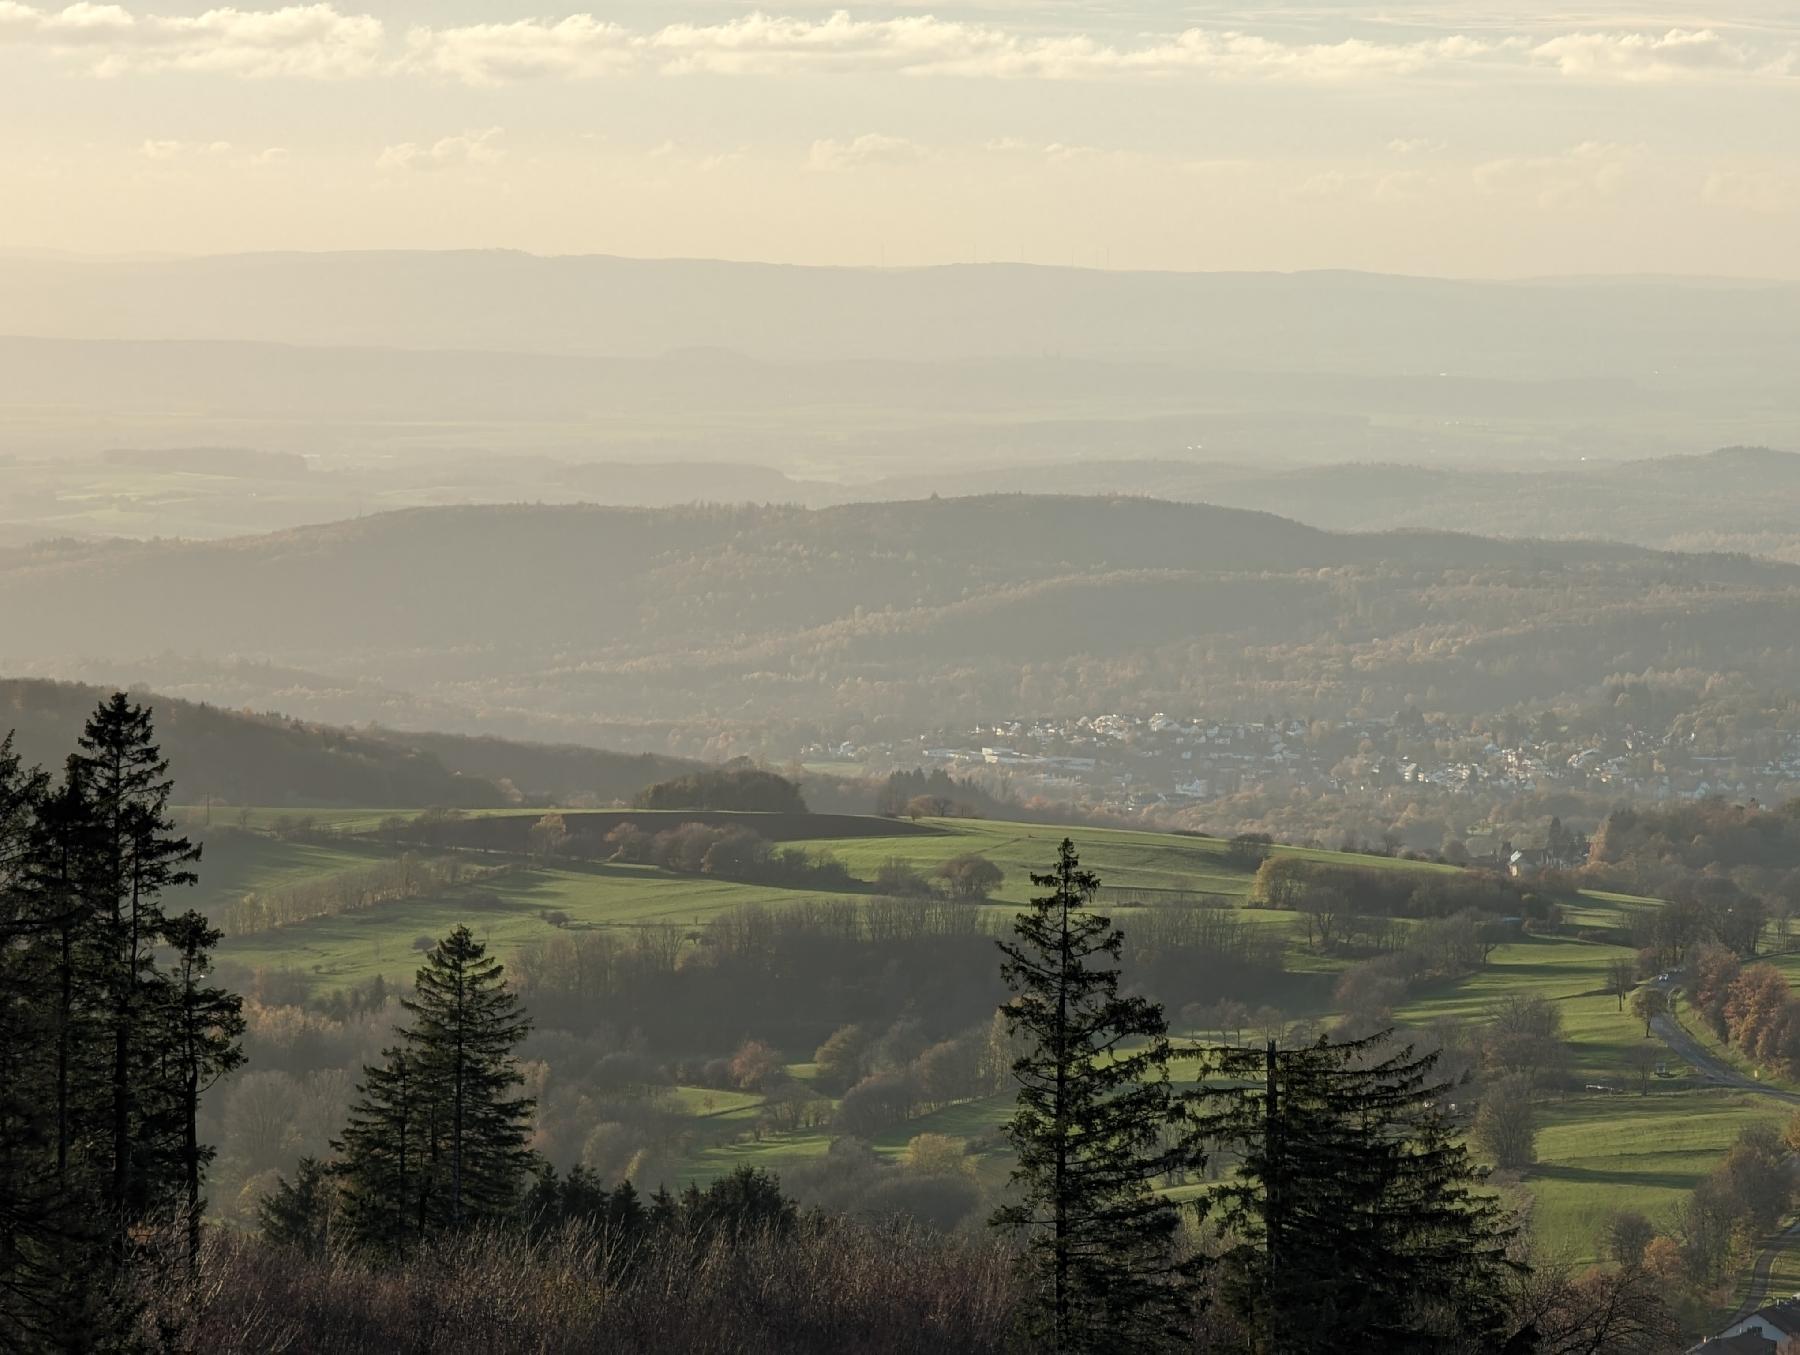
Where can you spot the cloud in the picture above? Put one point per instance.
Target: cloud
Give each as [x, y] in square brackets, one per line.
[312, 41]
[179, 150]
[1363, 185]
[318, 41]
[450, 152]
[170, 152]
[761, 44]
[1679, 54]
[871, 148]
[578, 47]
[1592, 169]
[1415, 145]
[1764, 192]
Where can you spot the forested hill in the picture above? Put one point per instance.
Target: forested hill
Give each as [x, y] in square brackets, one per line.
[925, 610]
[609, 576]
[1740, 499]
[243, 758]
[563, 773]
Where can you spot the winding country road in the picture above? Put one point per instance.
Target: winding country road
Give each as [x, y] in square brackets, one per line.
[1758, 1292]
[1716, 1071]
[1712, 1068]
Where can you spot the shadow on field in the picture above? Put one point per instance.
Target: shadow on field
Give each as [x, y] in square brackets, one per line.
[1671, 1180]
[532, 887]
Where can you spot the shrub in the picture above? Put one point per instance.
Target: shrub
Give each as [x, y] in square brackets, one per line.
[901, 879]
[970, 877]
[737, 788]
[818, 1289]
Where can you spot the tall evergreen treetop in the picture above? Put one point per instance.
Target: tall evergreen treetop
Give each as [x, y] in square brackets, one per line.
[1094, 1102]
[466, 1024]
[436, 1140]
[124, 779]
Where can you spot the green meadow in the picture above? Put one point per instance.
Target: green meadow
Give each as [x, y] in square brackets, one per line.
[1599, 1151]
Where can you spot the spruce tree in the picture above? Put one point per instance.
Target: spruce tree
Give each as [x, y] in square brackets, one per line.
[466, 1025]
[65, 953]
[1359, 1221]
[298, 1214]
[1094, 1102]
[124, 777]
[104, 1052]
[435, 1140]
[387, 1157]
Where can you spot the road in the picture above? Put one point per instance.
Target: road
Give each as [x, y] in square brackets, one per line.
[1758, 1292]
[1712, 1068]
[1716, 1071]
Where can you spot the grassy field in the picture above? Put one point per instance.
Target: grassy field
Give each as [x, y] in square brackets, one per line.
[233, 864]
[1599, 1152]
[508, 911]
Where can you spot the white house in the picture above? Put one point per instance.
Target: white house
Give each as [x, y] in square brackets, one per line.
[1773, 1323]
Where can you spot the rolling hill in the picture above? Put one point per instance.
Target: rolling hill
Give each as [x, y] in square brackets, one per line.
[546, 620]
[612, 306]
[1743, 499]
[241, 758]
[864, 372]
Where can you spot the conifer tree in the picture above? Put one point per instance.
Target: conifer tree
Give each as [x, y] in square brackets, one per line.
[65, 954]
[1094, 1102]
[387, 1157]
[104, 1052]
[33, 1215]
[435, 1140]
[466, 1025]
[125, 778]
[298, 1214]
[1361, 1226]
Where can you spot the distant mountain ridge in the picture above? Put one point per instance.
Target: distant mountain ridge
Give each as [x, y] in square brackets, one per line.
[609, 305]
[555, 619]
[875, 371]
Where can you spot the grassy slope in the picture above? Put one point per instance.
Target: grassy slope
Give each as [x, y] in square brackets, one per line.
[1598, 1152]
[232, 865]
[341, 950]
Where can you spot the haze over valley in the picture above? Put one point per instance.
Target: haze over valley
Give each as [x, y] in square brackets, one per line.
[1111, 679]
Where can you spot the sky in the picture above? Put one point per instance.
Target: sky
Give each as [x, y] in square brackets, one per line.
[1478, 139]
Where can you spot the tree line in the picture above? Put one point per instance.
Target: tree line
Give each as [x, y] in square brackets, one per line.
[1750, 1006]
[1294, 882]
[742, 788]
[729, 853]
[346, 891]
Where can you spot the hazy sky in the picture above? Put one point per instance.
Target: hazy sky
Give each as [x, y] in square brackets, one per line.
[1409, 137]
